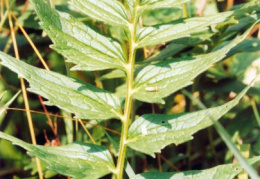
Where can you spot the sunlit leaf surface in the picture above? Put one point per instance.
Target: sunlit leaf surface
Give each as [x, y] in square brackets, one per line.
[112, 12]
[227, 171]
[152, 132]
[171, 75]
[82, 99]
[77, 160]
[80, 44]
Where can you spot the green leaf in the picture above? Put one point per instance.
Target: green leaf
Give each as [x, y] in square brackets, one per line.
[239, 65]
[128, 169]
[113, 74]
[248, 45]
[131, 5]
[152, 132]
[2, 110]
[155, 4]
[77, 42]
[112, 12]
[179, 44]
[2, 95]
[28, 19]
[161, 16]
[77, 160]
[181, 28]
[226, 171]
[85, 100]
[246, 20]
[171, 75]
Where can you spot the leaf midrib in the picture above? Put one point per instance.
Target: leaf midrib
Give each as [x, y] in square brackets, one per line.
[182, 32]
[83, 44]
[79, 24]
[122, 18]
[112, 109]
[59, 18]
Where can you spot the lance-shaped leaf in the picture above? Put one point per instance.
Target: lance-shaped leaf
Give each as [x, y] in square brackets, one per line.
[173, 48]
[179, 44]
[77, 42]
[6, 105]
[155, 4]
[85, 100]
[181, 28]
[112, 12]
[131, 3]
[169, 76]
[185, 27]
[77, 160]
[152, 132]
[226, 171]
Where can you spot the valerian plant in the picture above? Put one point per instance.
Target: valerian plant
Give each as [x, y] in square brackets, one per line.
[150, 81]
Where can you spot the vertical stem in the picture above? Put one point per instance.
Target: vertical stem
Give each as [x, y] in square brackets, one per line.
[30, 42]
[1, 9]
[159, 162]
[258, 35]
[257, 116]
[184, 11]
[211, 145]
[128, 101]
[230, 3]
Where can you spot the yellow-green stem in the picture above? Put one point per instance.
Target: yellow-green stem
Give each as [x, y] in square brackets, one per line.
[128, 101]
[126, 119]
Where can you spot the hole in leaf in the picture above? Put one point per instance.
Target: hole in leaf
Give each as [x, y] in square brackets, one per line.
[163, 122]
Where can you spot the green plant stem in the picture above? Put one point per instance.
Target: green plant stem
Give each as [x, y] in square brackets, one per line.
[211, 144]
[128, 101]
[255, 111]
[126, 118]
[51, 3]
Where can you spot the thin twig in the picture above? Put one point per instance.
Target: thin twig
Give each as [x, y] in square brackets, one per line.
[26, 4]
[258, 35]
[30, 42]
[86, 130]
[47, 114]
[201, 8]
[26, 100]
[159, 162]
[230, 3]
[170, 163]
[63, 117]
[2, 9]
[97, 81]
